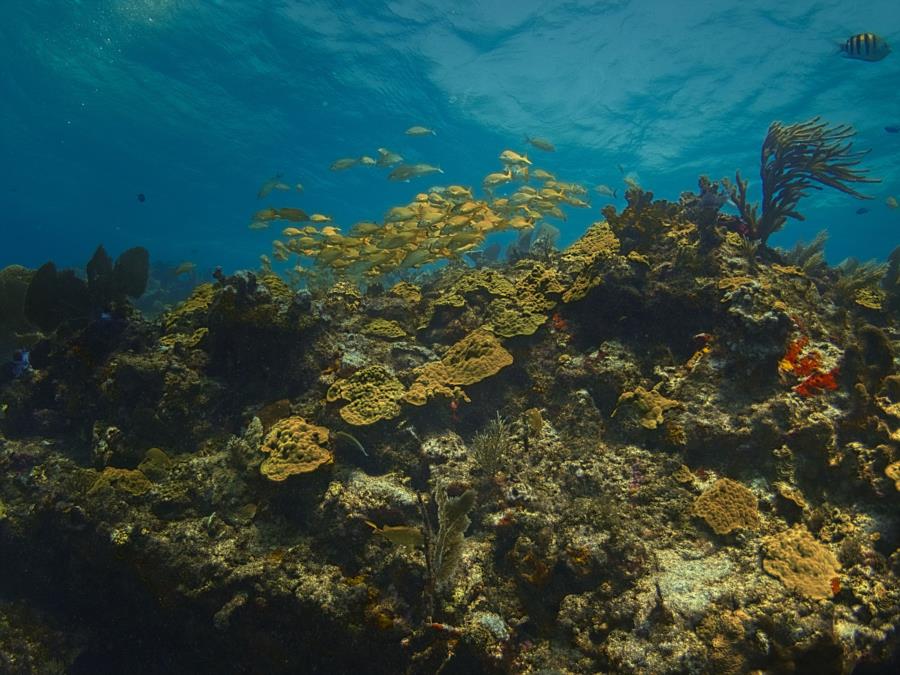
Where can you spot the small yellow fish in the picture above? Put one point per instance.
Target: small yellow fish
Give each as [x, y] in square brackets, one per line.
[540, 174]
[268, 186]
[343, 163]
[498, 178]
[606, 191]
[416, 258]
[891, 202]
[185, 268]
[266, 214]
[541, 144]
[459, 192]
[578, 203]
[420, 131]
[406, 171]
[388, 158]
[365, 160]
[319, 218]
[510, 157]
[292, 214]
[365, 227]
[291, 232]
[258, 225]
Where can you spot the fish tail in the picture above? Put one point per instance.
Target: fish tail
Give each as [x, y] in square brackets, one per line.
[371, 524]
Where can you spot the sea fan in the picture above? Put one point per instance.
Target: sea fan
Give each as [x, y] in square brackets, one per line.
[797, 158]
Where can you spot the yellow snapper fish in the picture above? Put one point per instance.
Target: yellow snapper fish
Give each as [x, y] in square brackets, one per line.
[320, 218]
[420, 131]
[458, 191]
[497, 178]
[510, 157]
[606, 191]
[185, 268]
[387, 157]
[865, 47]
[365, 227]
[292, 214]
[258, 225]
[344, 163]
[540, 174]
[266, 214]
[271, 184]
[891, 202]
[540, 143]
[407, 171]
[365, 160]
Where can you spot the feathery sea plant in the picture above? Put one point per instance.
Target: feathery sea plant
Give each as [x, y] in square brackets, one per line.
[443, 549]
[855, 276]
[809, 257]
[796, 158]
[490, 445]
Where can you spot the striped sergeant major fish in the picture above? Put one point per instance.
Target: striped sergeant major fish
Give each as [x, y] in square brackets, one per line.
[866, 47]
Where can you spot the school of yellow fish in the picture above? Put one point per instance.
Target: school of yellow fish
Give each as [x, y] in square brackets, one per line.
[440, 224]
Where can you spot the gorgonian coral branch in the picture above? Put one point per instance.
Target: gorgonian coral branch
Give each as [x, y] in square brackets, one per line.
[796, 158]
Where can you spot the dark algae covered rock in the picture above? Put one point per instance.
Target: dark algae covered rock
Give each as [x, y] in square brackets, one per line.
[667, 447]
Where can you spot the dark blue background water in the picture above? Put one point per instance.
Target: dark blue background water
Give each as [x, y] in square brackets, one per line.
[195, 103]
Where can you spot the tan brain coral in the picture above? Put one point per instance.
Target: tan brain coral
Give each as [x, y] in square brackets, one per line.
[294, 446]
[802, 563]
[727, 506]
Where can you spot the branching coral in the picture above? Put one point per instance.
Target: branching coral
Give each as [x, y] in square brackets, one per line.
[797, 158]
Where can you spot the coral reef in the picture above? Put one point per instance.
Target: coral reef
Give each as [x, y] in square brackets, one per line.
[665, 449]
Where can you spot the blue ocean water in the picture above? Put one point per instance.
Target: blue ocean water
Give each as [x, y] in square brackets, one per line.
[195, 103]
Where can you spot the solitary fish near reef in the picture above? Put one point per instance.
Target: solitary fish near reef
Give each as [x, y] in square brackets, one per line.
[866, 47]
[861, 211]
[185, 268]
[892, 128]
[141, 197]
[540, 144]
[402, 535]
